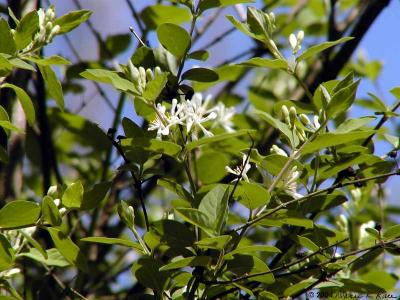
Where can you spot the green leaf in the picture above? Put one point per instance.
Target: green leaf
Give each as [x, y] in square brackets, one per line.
[155, 145]
[9, 126]
[54, 257]
[25, 100]
[26, 29]
[7, 254]
[19, 63]
[302, 285]
[5, 65]
[353, 124]
[211, 158]
[200, 75]
[265, 63]
[53, 85]
[264, 295]
[252, 195]
[50, 211]
[372, 232]
[174, 38]
[342, 100]
[251, 250]
[7, 44]
[73, 195]
[196, 217]
[110, 77]
[146, 271]
[68, 249]
[173, 233]
[282, 127]
[215, 205]
[241, 26]
[216, 138]
[72, 20]
[155, 15]
[392, 232]
[208, 4]
[307, 243]
[113, 241]
[329, 139]
[48, 61]
[34, 243]
[199, 55]
[193, 261]
[155, 87]
[247, 265]
[115, 45]
[94, 197]
[19, 214]
[321, 47]
[175, 188]
[217, 243]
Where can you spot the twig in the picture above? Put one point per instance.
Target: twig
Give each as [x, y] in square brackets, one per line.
[137, 182]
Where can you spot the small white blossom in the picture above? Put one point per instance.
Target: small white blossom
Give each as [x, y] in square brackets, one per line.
[9, 273]
[224, 116]
[275, 149]
[363, 234]
[241, 170]
[196, 113]
[290, 183]
[295, 41]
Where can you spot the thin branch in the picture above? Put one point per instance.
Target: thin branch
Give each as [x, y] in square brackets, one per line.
[137, 182]
[319, 192]
[135, 16]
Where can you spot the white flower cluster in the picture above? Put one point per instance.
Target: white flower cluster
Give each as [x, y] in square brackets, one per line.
[191, 114]
[47, 29]
[290, 183]
[295, 41]
[141, 76]
[241, 169]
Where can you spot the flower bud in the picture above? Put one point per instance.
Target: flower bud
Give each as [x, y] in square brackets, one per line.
[304, 119]
[157, 71]
[292, 41]
[316, 122]
[142, 77]
[55, 30]
[300, 37]
[275, 149]
[292, 114]
[285, 111]
[49, 26]
[271, 16]
[149, 75]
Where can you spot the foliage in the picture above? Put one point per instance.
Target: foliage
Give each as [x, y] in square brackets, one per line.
[200, 197]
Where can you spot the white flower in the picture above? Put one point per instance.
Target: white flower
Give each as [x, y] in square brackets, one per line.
[241, 170]
[295, 41]
[275, 149]
[290, 183]
[9, 273]
[195, 112]
[363, 234]
[224, 116]
[164, 121]
[160, 122]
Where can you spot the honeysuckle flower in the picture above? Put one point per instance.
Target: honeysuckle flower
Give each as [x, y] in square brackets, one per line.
[363, 234]
[290, 183]
[196, 113]
[275, 149]
[224, 116]
[159, 123]
[164, 121]
[295, 41]
[241, 169]
[9, 273]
